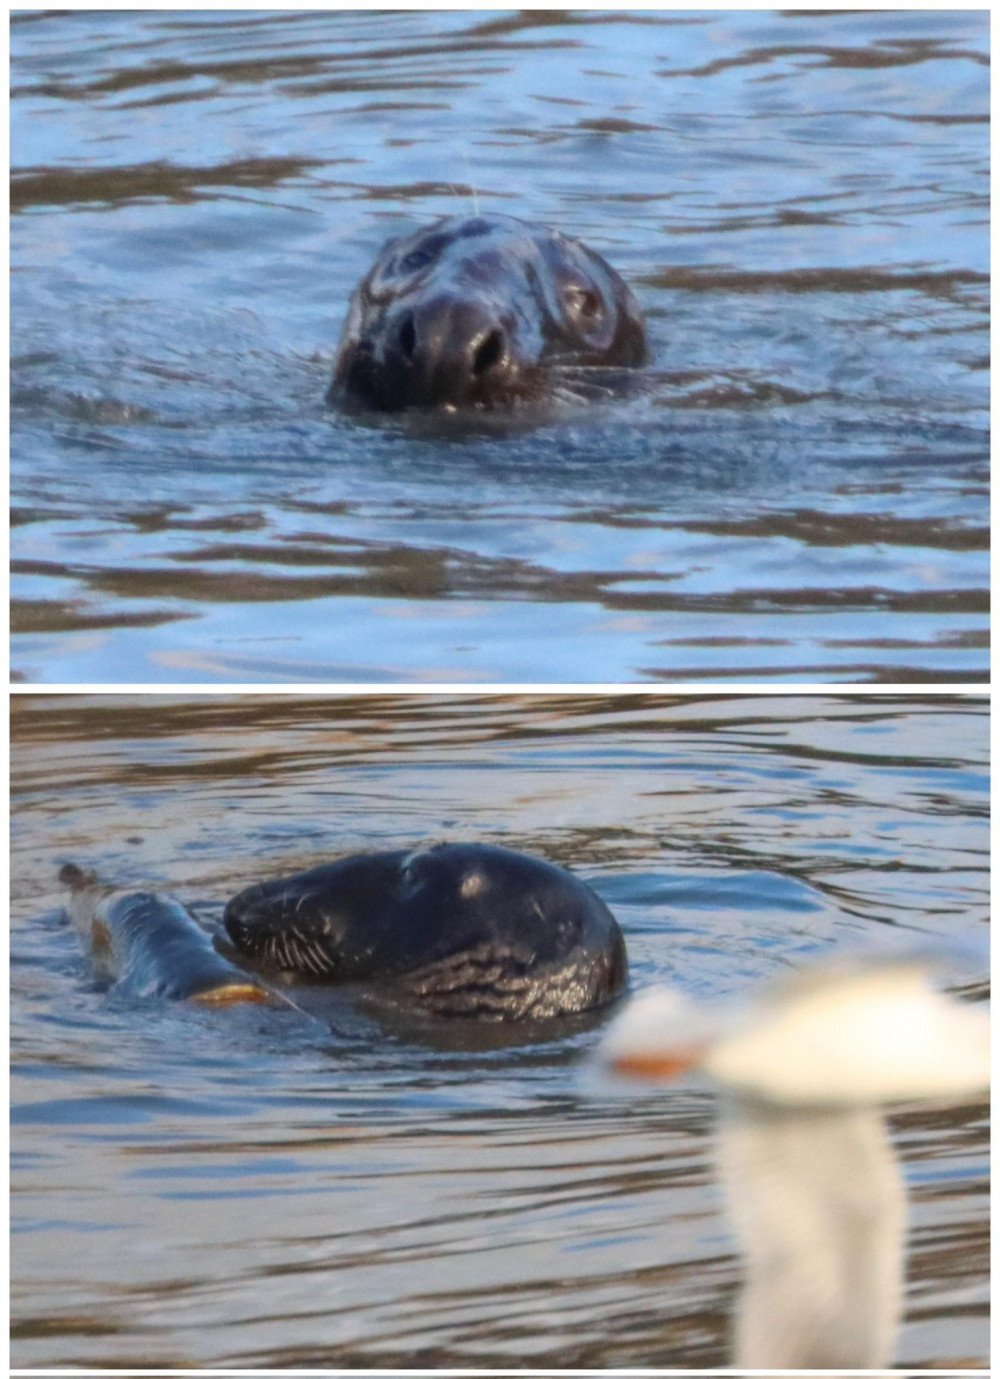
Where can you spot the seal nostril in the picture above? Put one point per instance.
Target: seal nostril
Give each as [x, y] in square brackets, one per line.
[408, 337]
[488, 354]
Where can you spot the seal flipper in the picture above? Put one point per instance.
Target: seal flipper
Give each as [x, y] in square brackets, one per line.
[149, 945]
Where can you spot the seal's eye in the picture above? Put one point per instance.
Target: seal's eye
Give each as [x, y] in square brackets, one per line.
[582, 303]
[423, 254]
[416, 258]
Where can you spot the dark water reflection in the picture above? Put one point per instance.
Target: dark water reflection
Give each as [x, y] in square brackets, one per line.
[799, 200]
[258, 1188]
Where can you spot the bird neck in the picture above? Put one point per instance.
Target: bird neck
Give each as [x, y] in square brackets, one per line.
[819, 1208]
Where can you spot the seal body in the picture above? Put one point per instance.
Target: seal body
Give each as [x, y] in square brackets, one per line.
[461, 929]
[149, 945]
[482, 311]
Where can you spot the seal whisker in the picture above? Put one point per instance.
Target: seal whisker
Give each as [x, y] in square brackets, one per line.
[305, 957]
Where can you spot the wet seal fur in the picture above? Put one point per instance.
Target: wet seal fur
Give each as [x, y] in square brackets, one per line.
[482, 312]
[461, 929]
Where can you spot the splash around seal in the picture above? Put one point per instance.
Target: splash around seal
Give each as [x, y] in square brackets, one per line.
[482, 311]
[461, 929]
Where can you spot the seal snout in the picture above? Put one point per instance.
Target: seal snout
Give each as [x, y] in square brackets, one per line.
[450, 349]
[285, 928]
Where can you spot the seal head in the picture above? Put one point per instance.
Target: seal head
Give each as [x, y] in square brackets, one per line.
[461, 929]
[482, 312]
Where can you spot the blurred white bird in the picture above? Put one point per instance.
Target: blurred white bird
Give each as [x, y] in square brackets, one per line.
[813, 1186]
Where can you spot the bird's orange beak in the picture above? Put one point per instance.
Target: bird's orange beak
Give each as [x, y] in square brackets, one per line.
[656, 1065]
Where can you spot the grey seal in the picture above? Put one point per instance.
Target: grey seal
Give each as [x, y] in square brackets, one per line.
[460, 929]
[482, 311]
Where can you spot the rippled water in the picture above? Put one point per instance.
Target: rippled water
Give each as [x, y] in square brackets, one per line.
[798, 199]
[256, 1187]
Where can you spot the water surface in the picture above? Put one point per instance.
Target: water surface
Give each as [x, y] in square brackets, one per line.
[259, 1188]
[798, 199]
